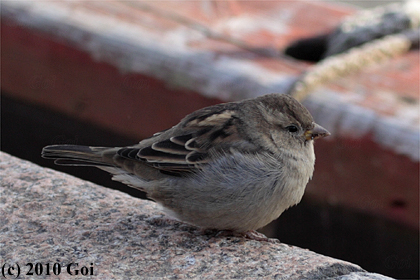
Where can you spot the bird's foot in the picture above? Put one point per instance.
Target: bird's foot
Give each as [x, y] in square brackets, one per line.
[252, 235]
[258, 236]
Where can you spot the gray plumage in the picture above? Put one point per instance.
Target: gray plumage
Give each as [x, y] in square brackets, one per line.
[233, 166]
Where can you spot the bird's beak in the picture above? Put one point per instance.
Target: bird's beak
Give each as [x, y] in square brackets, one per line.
[317, 132]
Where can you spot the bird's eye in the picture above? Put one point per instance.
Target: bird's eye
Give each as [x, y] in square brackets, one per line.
[292, 128]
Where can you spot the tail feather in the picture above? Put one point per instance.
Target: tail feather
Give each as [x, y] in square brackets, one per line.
[129, 171]
[75, 155]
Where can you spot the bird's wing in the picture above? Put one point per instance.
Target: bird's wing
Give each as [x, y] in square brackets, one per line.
[189, 146]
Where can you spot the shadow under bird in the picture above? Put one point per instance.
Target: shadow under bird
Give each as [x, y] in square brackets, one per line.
[233, 166]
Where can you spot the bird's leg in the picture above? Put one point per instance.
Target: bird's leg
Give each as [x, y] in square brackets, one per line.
[258, 236]
[252, 234]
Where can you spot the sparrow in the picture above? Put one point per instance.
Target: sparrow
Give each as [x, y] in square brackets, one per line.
[231, 167]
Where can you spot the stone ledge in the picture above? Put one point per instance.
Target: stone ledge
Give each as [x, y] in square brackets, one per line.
[51, 217]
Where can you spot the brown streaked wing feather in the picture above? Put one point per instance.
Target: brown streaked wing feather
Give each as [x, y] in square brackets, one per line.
[224, 132]
[188, 151]
[181, 139]
[152, 155]
[167, 146]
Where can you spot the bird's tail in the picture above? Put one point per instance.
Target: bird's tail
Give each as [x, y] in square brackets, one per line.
[76, 155]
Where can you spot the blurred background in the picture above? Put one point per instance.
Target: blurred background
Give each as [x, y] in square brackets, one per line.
[365, 4]
[114, 72]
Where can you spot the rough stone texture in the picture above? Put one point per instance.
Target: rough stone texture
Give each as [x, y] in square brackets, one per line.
[50, 217]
